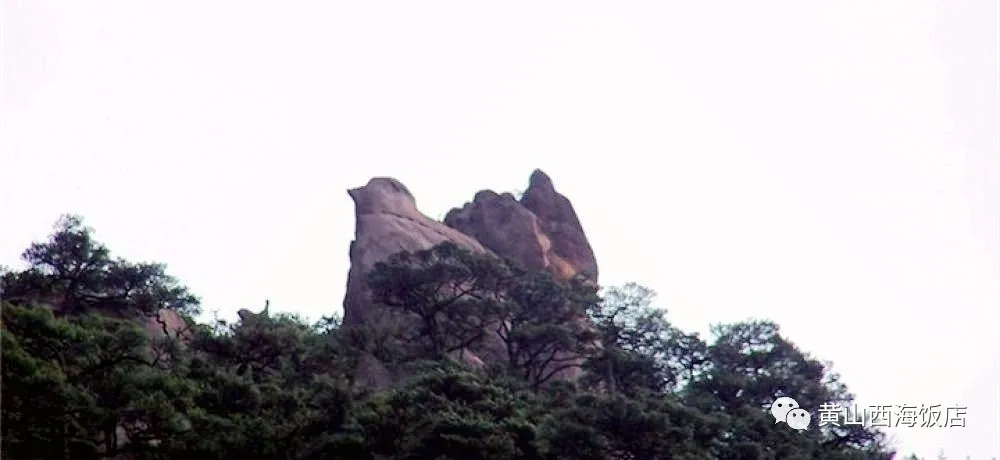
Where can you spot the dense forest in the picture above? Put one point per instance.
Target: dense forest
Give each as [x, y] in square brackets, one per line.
[83, 379]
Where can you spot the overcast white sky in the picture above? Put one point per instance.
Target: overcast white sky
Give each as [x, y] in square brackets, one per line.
[830, 165]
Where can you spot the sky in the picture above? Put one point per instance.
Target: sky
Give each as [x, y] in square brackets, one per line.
[831, 166]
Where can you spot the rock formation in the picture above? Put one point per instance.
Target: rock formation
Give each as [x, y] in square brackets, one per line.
[387, 222]
[541, 231]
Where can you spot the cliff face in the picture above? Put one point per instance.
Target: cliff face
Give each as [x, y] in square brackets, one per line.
[541, 231]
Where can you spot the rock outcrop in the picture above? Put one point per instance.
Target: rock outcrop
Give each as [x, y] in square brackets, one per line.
[167, 323]
[387, 222]
[541, 231]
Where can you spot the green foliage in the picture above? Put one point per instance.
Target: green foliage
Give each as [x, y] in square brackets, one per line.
[269, 388]
[82, 380]
[642, 351]
[539, 322]
[457, 300]
[448, 413]
[76, 386]
[75, 274]
[445, 293]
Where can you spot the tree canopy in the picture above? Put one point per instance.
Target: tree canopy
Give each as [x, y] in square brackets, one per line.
[81, 379]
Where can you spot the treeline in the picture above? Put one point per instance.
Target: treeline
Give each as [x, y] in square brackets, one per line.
[84, 379]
